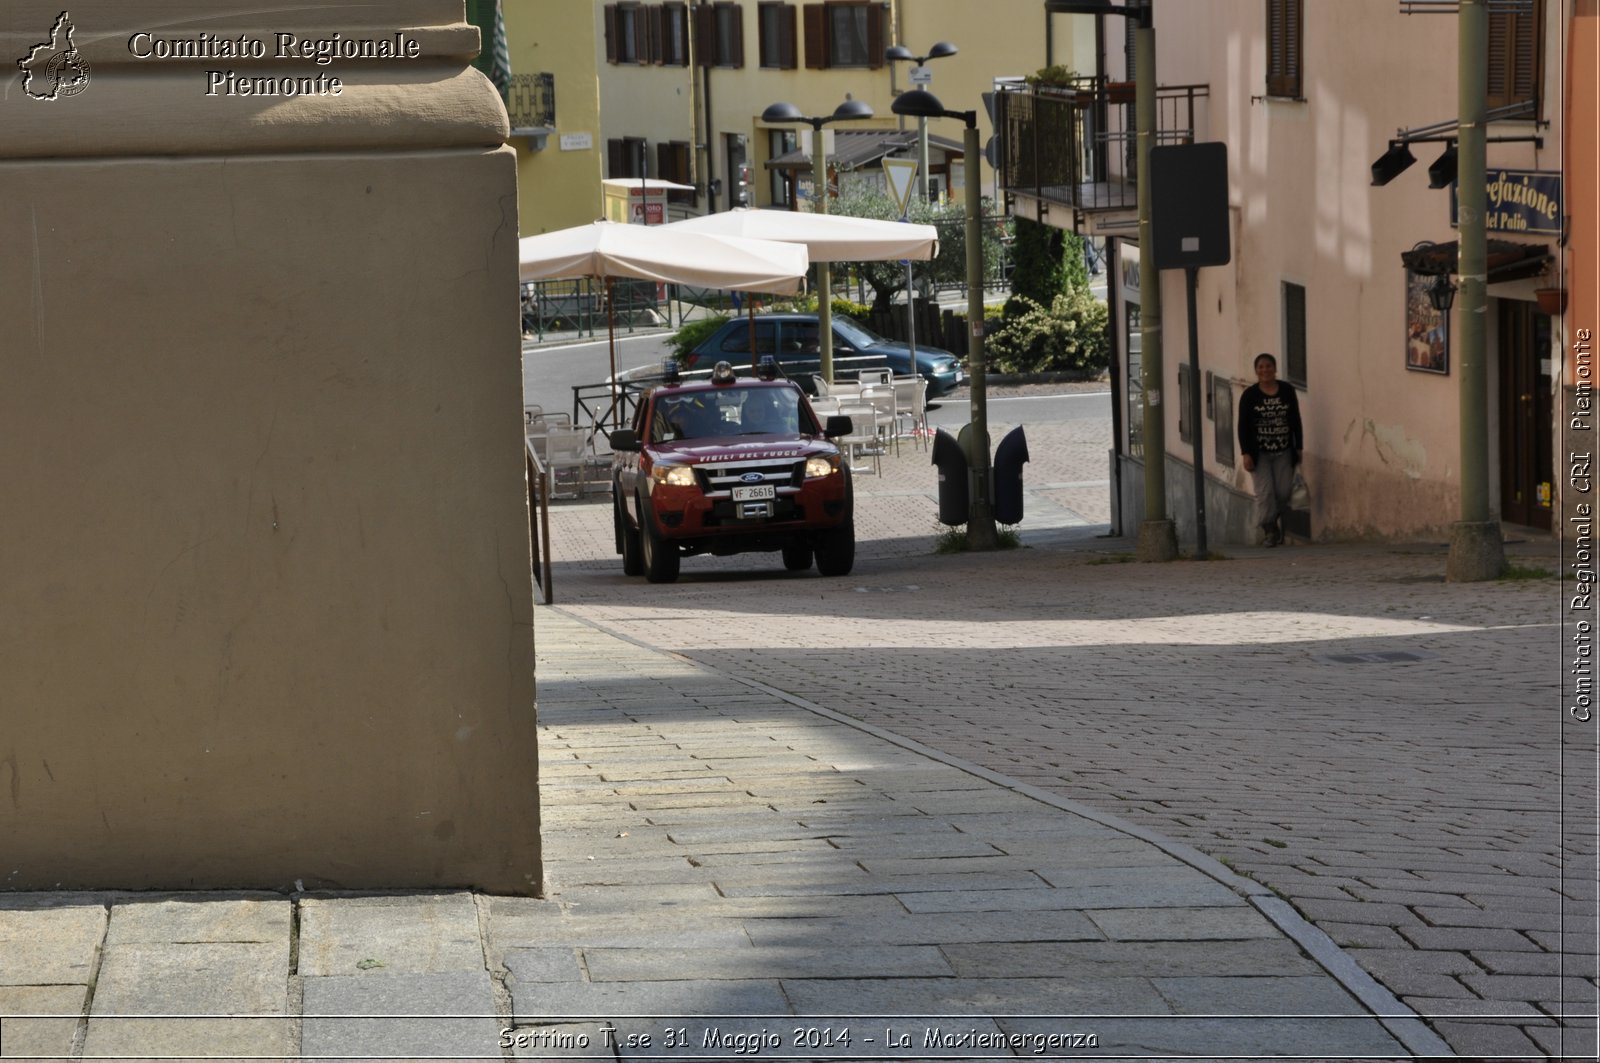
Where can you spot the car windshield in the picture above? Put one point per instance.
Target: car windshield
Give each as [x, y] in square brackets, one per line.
[727, 411]
[855, 331]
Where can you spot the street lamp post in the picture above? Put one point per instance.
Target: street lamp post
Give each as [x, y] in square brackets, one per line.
[780, 113]
[981, 532]
[898, 53]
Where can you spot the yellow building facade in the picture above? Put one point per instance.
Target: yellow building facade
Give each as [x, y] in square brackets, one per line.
[683, 85]
[554, 106]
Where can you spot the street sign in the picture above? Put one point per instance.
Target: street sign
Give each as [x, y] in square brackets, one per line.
[922, 75]
[901, 175]
[1189, 205]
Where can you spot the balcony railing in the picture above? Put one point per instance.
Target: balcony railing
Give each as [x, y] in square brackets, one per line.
[1074, 144]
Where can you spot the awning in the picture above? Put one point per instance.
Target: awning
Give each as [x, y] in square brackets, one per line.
[1507, 260]
[854, 149]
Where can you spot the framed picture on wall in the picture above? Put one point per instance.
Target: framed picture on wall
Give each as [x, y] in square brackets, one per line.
[1427, 329]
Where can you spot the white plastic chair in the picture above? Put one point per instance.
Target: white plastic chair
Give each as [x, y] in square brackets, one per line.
[567, 449]
[863, 437]
[911, 406]
[845, 390]
[875, 377]
[885, 417]
[824, 407]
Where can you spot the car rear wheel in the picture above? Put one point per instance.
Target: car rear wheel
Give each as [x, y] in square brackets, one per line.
[797, 557]
[836, 549]
[660, 557]
[627, 540]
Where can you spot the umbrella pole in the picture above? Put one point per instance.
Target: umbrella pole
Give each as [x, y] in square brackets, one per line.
[611, 337]
[750, 306]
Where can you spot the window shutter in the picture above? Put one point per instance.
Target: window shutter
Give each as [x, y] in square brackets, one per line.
[1284, 19]
[611, 32]
[786, 37]
[1515, 51]
[1294, 333]
[705, 35]
[643, 52]
[816, 36]
[736, 45]
[615, 153]
[877, 30]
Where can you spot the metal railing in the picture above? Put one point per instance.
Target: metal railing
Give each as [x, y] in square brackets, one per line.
[1074, 144]
[540, 489]
[579, 306]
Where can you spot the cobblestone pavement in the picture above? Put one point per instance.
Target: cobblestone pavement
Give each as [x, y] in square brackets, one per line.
[1386, 751]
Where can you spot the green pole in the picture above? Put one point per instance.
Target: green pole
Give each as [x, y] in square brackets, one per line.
[1157, 536]
[1477, 551]
[981, 532]
[819, 194]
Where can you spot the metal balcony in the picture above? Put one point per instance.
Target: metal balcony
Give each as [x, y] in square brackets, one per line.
[1073, 147]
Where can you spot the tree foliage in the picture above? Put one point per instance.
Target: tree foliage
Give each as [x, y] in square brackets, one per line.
[861, 200]
[1049, 261]
[1069, 333]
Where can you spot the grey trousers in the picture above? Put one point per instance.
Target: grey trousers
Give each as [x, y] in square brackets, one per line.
[1274, 479]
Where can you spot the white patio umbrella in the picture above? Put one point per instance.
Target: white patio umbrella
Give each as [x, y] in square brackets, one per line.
[826, 238]
[606, 250]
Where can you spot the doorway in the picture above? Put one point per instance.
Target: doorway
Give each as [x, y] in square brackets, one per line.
[1527, 470]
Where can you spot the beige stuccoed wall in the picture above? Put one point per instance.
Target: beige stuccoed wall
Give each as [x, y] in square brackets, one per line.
[264, 545]
[1382, 442]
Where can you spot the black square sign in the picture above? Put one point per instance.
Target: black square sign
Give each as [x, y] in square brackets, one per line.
[1189, 205]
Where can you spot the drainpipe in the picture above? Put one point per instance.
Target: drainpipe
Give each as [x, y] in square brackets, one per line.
[1158, 538]
[711, 141]
[1477, 551]
[700, 135]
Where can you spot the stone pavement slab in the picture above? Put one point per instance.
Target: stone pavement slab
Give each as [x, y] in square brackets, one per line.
[53, 945]
[418, 934]
[55, 1011]
[400, 1017]
[221, 998]
[944, 908]
[1392, 778]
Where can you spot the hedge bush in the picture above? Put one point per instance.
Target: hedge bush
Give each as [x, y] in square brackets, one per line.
[1069, 334]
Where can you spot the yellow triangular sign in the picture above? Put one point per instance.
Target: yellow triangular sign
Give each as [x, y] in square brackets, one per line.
[900, 173]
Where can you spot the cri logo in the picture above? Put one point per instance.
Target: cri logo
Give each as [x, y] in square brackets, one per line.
[57, 64]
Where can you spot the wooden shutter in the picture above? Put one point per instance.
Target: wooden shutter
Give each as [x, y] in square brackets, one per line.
[643, 53]
[787, 45]
[616, 152]
[816, 36]
[1284, 30]
[736, 41]
[1294, 333]
[611, 32]
[877, 32]
[705, 35]
[1515, 56]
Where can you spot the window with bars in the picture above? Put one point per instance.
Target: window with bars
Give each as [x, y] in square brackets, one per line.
[531, 101]
[1294, 333]
[846, 33]
[1285, 30]
[779, 36]
[1516, 56]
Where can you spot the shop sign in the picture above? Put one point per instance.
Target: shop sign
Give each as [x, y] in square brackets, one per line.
[1520, 201]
